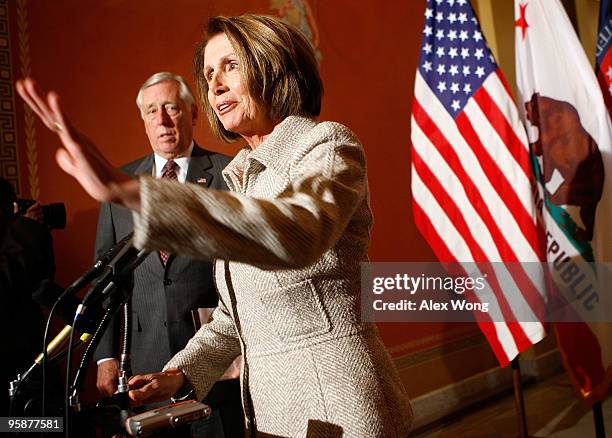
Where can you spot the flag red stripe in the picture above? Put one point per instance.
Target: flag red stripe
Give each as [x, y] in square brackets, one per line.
[518, 334]
[528, 289]
[502, 186]
[523, 219]
[436, 242]
[454, 214]
[521, 339]
[500, 122]
[427, 229]
[448, 205]
[538, 241]
[526, 286]
[502, 79]
[488, 329]
[445, 149]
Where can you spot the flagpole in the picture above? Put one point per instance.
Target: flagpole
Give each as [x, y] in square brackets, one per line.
[600, 430]
[519, 401]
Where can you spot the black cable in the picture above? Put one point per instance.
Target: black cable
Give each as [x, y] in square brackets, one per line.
[17, 389]
[22, 378]
[44, 351]
[68, 370]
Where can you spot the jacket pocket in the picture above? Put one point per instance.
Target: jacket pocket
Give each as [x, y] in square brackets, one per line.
[295, 311]
[136, 322]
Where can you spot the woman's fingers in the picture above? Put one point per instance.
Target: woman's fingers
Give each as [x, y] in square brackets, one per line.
[25, 95]
[139, 381]
[147, 392]
[46, 106]
[146, 389]
[32, 95]
[62, 125]
[155, 387]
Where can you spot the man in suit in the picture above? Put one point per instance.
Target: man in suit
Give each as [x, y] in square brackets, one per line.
[167, 287]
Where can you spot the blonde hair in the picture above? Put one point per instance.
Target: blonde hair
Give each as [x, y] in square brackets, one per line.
[278, 67]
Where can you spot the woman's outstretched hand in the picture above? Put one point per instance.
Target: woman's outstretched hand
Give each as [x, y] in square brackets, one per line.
[79, 157]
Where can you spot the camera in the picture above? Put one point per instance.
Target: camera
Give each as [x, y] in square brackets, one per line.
[54, 215]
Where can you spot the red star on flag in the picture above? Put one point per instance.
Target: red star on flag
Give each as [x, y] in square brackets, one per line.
[522, 22]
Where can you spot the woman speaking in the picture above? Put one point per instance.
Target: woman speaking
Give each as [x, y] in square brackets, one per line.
[288, 241]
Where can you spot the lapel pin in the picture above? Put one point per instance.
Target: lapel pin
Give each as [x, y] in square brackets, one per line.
[201, 181]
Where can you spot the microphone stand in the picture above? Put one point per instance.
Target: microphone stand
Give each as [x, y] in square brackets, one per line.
[106, 269]
[118, 288]
[99, 268]
[125, 365]
[56, 344]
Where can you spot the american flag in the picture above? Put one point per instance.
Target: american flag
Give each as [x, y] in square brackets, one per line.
[471, 174]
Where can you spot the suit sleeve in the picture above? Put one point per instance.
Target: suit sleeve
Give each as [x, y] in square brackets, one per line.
[327, 183]
[105, 239]
[209, 352]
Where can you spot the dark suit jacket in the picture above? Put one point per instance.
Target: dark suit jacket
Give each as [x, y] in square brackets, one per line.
[26, 261]
[163, 297]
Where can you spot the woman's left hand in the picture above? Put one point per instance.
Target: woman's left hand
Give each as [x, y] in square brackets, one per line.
[155, 387]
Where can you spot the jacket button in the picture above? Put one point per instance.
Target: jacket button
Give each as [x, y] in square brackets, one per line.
[167, 282]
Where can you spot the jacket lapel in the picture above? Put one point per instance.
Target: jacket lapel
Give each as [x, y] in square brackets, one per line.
[199, 166]
[145, 167]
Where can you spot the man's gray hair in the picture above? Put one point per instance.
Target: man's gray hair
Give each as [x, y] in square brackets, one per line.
[163, 76]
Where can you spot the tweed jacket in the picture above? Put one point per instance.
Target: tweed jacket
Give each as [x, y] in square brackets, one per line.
[289, 238]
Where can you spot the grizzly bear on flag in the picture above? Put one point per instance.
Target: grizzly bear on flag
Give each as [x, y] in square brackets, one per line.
[572, 168]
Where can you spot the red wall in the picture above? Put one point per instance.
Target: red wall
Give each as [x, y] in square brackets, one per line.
[97, 54]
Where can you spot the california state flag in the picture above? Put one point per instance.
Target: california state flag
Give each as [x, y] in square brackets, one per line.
[570, 137]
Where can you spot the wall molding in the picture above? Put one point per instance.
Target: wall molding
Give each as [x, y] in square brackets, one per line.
[9, 152]
[28, 115]
[418, 357]
[432, 407]
[422, 343]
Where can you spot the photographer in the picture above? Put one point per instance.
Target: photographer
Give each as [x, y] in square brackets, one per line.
[52, 215]
[35, 212]
[26, 261]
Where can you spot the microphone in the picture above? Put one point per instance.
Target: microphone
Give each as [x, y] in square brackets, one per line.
[100, 265]
[119, 269]
[49, 293]
[52, 347]
[112, 285]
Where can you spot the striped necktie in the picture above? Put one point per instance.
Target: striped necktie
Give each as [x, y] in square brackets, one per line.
[168, 172]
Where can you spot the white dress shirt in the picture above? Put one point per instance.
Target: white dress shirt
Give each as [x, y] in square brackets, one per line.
[182, 163]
